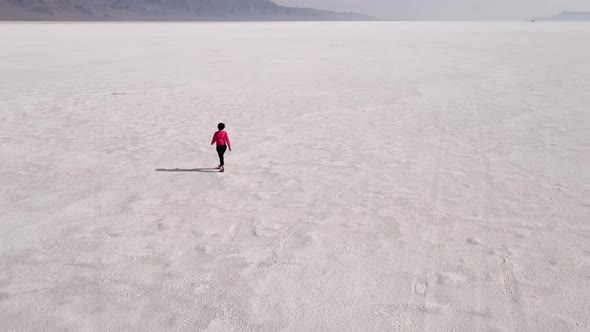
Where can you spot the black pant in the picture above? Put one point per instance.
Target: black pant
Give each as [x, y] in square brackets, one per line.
[220, 151]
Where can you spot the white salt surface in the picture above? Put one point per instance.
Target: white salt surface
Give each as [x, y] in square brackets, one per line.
[385, 176]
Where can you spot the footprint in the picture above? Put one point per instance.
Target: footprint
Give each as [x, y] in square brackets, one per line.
[231, 232]
[564, 262]
[450, 278]
[420, 288]
[433, 308]
[474, 240]
[163, 227]
[203, 248]
[200, 289]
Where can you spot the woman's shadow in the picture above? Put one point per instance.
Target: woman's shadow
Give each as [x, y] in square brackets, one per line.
[202, 170]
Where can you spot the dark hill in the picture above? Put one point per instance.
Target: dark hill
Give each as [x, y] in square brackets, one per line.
[164, 10]
[567, 16]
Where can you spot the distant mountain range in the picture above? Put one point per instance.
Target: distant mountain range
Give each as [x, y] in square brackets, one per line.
[567, 16]
[164, 10]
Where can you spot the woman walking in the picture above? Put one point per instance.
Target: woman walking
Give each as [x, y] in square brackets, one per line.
[222, 140]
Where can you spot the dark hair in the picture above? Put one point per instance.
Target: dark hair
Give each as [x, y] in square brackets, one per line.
[221, 126]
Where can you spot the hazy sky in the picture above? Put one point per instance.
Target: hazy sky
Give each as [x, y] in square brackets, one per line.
[447, 9]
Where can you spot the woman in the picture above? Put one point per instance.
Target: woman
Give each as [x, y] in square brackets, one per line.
[220, 137]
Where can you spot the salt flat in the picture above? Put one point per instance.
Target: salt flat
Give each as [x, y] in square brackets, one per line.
[385, 177]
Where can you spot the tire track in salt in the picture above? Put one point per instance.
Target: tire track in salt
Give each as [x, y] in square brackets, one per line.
[420, 285]
[507, 279]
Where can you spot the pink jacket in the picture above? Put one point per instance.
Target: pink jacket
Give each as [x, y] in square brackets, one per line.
[221, 138]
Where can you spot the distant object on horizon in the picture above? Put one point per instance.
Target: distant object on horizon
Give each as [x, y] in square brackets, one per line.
[164, 10]
[566, 16]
